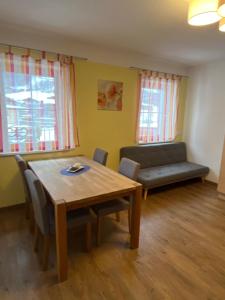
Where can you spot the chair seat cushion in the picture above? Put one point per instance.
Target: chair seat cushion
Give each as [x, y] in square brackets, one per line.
[79, 216]
[162, 175]
[110, 207]
[75, 218]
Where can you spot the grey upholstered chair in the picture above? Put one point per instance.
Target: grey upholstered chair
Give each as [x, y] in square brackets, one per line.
[130, 169]
[44, 216]
[23, 167]
[100, 156]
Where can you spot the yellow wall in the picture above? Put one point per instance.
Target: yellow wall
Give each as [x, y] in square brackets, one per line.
[109, 130]
[181, 108]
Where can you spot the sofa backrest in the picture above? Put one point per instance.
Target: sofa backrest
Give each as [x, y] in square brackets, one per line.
[155, 154]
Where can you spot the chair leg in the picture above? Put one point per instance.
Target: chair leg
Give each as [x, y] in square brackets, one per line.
[36, 237]
[88, 237]
[203, 179]
[27, 209]
[98, 230]
[129, 221]
[145, 194]
[31, 218]
[46, 252]
[117, 216]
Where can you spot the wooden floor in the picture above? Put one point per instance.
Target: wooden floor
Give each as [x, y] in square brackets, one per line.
[181, 254]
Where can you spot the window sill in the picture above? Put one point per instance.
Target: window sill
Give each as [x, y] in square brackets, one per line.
[35, 152]
[156, 143]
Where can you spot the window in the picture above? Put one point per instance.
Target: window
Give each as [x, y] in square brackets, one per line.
[36, 105]
[158, 108]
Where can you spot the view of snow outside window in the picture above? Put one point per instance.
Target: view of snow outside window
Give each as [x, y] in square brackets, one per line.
[150, 107]
[30, 108]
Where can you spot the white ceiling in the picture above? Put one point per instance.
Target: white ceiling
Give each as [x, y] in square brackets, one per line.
[149, 27]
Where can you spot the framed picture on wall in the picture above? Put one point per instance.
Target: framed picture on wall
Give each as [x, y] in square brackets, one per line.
[110, 95]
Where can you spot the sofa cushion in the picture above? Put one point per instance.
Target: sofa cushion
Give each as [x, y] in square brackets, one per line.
[162, 175]
[155, 154]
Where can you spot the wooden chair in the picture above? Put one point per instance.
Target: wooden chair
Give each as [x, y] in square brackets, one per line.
[44, 217]
[128, 168]
[29, 210]
[100, 156]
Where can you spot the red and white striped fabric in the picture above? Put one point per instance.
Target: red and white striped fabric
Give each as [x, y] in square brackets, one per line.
[37, 104]
[157, 107]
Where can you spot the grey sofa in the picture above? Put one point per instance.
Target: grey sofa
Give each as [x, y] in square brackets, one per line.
[162, 164]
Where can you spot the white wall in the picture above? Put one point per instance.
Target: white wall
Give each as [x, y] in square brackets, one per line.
[204, 127]
[66, 45]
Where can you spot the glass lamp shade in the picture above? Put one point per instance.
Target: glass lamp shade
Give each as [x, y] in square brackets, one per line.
[203, 12]
[221, 9]
[222, 25]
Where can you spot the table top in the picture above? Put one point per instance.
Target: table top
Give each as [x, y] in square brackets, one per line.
[96, 183]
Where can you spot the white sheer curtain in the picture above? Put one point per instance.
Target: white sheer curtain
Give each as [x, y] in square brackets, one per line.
[158, 106]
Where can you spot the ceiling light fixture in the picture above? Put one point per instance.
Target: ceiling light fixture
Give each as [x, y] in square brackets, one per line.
[203, 12]
[221, 9]
[222, 25]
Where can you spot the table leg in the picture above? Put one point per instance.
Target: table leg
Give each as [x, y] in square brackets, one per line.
[61, 239]
[135, 218]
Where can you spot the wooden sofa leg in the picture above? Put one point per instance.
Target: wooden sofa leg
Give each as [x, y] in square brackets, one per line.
[203, 179]
[145, 194]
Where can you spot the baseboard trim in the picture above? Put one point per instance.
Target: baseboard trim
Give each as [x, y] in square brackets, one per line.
[221, 196]
[211, 182]
[14, 206]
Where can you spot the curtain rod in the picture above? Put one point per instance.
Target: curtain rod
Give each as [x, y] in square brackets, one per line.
[140, 69]
[51, 52]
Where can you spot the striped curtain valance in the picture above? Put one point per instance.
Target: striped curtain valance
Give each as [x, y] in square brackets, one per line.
[159, 75]
[36, 54]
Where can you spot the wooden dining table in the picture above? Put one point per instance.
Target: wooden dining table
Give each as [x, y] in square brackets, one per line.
[96, 184]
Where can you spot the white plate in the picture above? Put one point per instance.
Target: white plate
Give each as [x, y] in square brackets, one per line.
[74, 171]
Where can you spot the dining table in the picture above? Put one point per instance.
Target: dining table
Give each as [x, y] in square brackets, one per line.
[92, 185]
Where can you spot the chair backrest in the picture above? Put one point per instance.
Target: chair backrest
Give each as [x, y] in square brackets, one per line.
[23, 167]
[153, 155]
[129, 168]
[100, 156]
[39, 201]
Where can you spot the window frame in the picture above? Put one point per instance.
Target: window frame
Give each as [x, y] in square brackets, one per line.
[56, 129]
